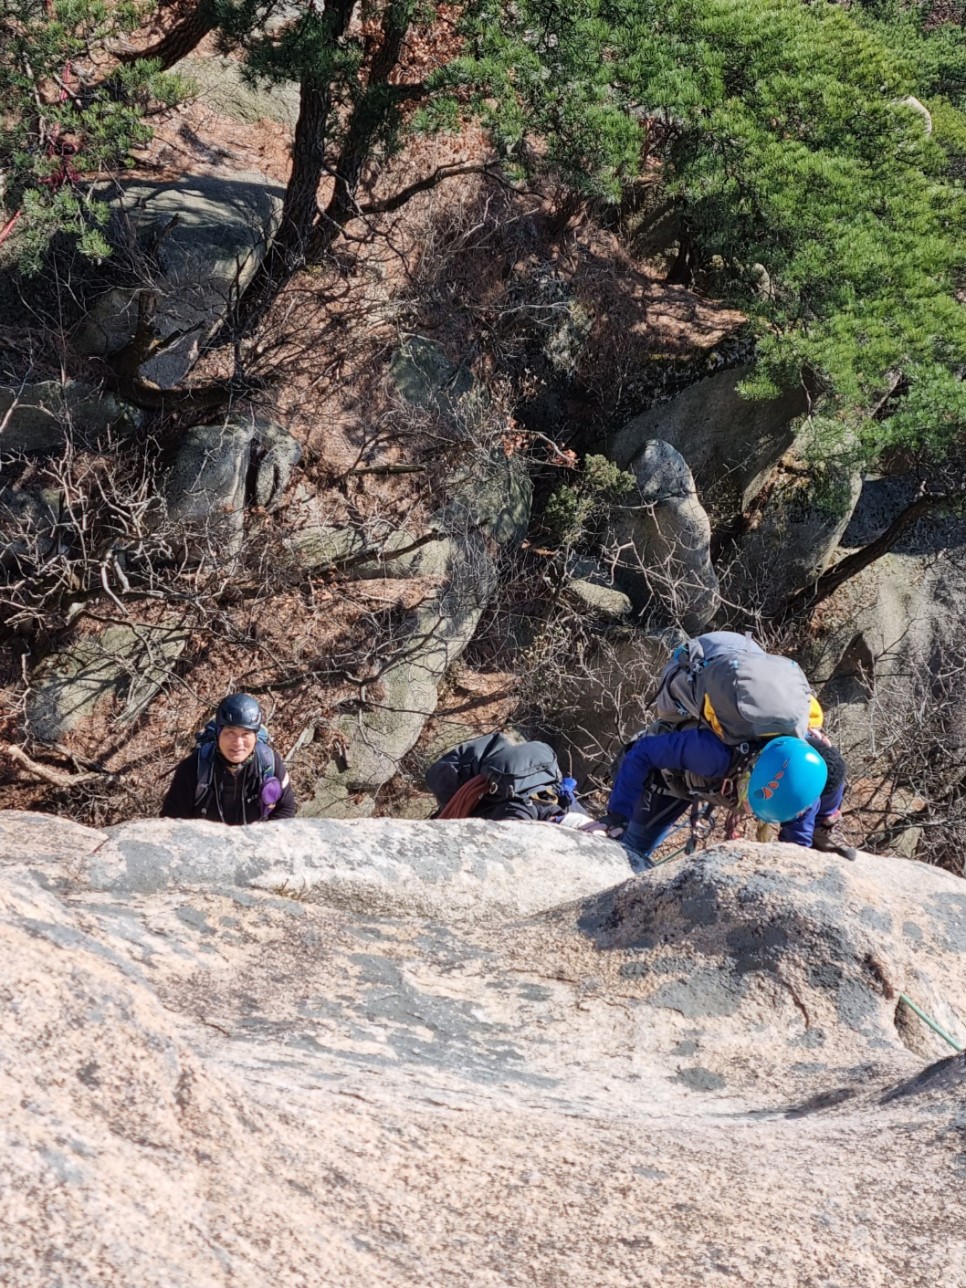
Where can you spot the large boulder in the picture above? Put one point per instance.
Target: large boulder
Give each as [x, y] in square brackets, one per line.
[275, 454]
[338, 1053]
[210, 233]
[794, 537]
[371, 866]
[665, 541]
[888, 649]
[488, 507]
[28, 520]
[220, 84]
[218, 469]
[123, 665]
[593, 598]
[425, 377]
[42, 417]
[730, 443]
[319, 546]
[205, 486]
[374, 741]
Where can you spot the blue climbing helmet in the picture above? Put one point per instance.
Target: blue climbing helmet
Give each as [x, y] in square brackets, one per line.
[786, 778]
[240, 711]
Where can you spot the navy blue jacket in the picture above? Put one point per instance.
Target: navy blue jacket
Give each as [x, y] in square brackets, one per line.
[695, 751]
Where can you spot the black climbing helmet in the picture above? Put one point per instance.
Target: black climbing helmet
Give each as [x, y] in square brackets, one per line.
[239, 710]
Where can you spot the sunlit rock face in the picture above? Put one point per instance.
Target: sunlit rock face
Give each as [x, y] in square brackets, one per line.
[373, 1052]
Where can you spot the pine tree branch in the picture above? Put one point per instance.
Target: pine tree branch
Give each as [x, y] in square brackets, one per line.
[183, 37]
[399, 199]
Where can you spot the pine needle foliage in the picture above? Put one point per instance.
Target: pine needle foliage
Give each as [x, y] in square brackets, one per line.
[61, 123]
[783, 131]
[805, 159]
[573, 508]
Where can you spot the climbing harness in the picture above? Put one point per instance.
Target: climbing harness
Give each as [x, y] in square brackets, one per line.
[700, 825]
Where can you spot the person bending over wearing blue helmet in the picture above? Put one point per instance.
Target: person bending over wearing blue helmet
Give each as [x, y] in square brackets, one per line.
[798, 783]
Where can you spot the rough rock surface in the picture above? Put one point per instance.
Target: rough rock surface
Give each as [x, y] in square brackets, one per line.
[214, 232]
[122, 663]
[27, 522]
[424, 375]
[701, 1076]
[666, 540]
[276, 452]
[218, 469]
[597, 600]
[891, 639]
[40, 417]
[220, 86]
[205, 487]
[729, 442]
[489, 503]
[795, 538]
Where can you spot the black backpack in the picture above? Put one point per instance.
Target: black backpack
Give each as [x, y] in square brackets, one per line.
[526, 771]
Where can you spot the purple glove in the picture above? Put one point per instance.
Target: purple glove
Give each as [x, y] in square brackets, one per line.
[271, 794]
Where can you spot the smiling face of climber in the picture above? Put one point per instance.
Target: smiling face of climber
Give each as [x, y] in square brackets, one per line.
[238, 720]
[236, 744]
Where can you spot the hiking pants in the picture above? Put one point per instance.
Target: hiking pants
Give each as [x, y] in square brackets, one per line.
[655, 814]
[825, 811]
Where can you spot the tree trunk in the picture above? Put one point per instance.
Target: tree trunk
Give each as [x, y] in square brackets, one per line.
[368, 117]
[287, 253]
[681, 272]
[183, 37]
[852, 564]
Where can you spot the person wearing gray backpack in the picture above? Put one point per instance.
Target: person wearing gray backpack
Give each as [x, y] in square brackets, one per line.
[798, 783]
[738, 727]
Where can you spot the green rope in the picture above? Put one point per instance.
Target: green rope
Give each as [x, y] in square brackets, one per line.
[656, 863]
[932, 1023]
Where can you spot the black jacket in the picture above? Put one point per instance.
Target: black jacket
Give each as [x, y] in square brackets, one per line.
[235, 794]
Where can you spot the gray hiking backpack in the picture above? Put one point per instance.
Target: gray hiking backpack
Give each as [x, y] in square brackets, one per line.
[729, 683]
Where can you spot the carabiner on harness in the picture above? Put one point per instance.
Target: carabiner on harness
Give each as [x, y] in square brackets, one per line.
[701, 824]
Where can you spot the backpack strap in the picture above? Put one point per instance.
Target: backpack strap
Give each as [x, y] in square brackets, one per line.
[264, 759]
[206, 741]
[742, 756]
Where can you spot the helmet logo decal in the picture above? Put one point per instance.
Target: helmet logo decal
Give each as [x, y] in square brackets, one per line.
[787, 778]
[770, 788]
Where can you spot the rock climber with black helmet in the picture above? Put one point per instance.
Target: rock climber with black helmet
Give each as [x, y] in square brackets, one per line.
[233, 776]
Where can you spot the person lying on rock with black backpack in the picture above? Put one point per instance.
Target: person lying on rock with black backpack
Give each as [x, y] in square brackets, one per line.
[492, 778]
[234, 776]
